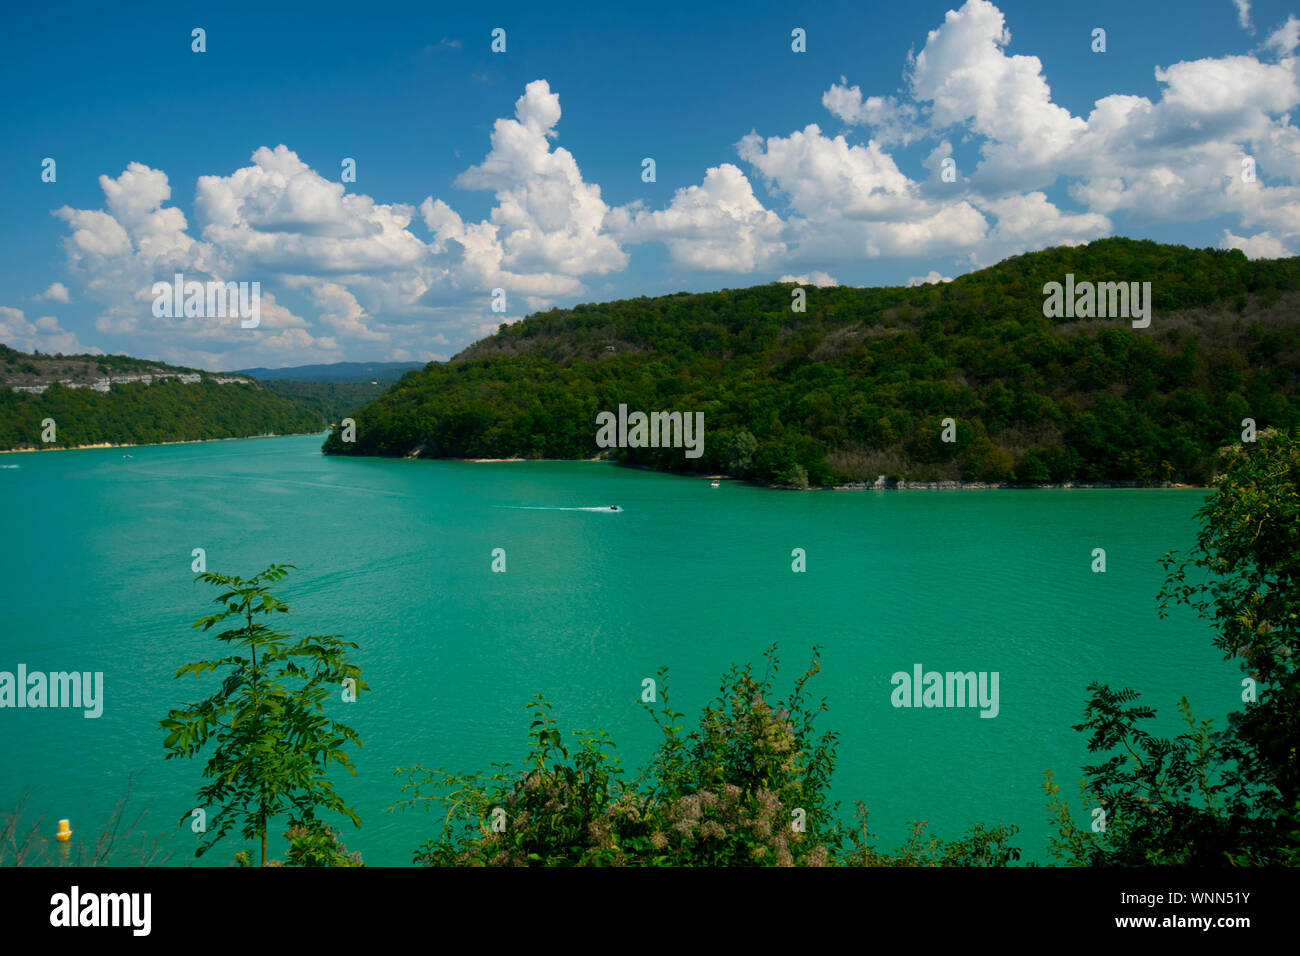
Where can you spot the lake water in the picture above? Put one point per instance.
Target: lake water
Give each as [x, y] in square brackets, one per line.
[396, 555]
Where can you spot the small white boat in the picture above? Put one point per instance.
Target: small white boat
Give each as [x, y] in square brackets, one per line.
[8, 466]
[714, 485]
[125, 457]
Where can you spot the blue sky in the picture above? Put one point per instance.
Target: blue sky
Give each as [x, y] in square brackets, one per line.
[522, 170]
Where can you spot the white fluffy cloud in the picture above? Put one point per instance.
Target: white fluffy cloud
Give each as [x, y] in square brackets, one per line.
[1179, 158]
[852, 202]
[820, 279]
[891, 121]
[1261, 246]
[57, 292]
[364, 277]
[1030, 222]
[280, 216]
[41, 334]
[826, 177]
[967, 79]
[549, 219]
[265, 223]
[718, 224]
[471, 260]
[134, 240]
[930, 278]
[341, 271]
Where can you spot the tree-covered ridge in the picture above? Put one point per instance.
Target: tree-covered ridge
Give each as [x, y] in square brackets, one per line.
[858, 384]
[138, 414]
[32, 370]
[332, 400]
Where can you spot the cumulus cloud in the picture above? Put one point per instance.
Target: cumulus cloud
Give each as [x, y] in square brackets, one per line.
[892, 121]
[57, 292]
[341, 270]
[819, 279]
[549, 220]
[966, 79]
[930, 278]
[136, 239]
[825, 176]
[1178, 158]
[281, 216]
[1261, 246]
[470, 259]
[1029, 222]
[340, 311]
[362, 275]
[718, 224]
[852, 201]
[264, 223]
[119, 251]
[41, 334]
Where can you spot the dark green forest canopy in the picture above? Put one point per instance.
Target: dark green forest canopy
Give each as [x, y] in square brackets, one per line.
[857, 386]
[139, 414]
[330, 400]
[178, 404]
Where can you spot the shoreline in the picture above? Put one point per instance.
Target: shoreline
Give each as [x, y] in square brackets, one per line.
[492, 460]
[1011, 486]
[902, 485]
[153, 444]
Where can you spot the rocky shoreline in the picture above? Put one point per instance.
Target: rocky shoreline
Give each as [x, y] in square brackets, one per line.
[901, 484]
[881, 484]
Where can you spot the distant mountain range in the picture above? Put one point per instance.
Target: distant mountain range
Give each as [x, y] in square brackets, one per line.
[336, 371]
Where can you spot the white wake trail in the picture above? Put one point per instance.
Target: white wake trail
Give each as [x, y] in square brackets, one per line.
[607, 509]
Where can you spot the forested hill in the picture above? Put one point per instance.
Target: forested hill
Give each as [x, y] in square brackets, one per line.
[858, 385]
[335, 390]
[124, 400]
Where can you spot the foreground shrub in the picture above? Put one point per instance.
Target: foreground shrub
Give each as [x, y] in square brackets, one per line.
[748, 787]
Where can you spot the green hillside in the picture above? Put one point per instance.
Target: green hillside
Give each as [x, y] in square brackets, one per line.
[330, 399]
[176, 404]
[858, 385]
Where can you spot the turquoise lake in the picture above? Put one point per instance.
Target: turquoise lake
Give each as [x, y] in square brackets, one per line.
[396, 556]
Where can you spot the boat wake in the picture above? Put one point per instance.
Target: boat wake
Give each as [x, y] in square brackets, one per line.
[607, 509]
